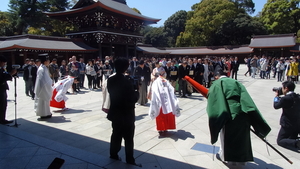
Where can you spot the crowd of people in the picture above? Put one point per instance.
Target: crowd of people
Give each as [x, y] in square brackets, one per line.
[134, 82]
[283, 68]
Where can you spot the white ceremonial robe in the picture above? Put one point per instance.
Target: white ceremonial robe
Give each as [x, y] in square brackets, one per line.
[62, 87]
[105, 94]
[43, 92]
[163, 96]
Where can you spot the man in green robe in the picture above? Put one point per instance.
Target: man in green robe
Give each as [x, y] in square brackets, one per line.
[231, 112]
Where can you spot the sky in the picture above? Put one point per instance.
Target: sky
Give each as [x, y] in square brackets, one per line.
[159, 9]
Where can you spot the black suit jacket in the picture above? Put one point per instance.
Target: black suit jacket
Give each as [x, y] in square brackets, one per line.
[34, 73]
[235, 66]
[4, 77]
[290, 105]
[132, 68]
[122, 98]
[183, 72]
[169, 70]
[139, 72]
[26, 72]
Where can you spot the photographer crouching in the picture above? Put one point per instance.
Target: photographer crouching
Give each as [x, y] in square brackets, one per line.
[4, 77]
[290, 118]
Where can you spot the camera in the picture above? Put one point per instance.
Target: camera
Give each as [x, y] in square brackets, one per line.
[278, 90]
[16, 66]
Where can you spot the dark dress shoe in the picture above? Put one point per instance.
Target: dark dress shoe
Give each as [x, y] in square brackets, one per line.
[139, 165]
[46, 117]
[6, 122]
[116, 158]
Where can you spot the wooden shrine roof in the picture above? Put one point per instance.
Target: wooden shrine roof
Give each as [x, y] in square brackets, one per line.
[110, 5]
[228, 50]
[43, 43]
[273, 41]
[296, 48]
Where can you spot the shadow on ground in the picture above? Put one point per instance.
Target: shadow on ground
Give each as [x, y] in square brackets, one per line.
[100, 147]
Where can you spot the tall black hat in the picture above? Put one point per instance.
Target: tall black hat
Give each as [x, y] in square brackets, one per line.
[43, 57]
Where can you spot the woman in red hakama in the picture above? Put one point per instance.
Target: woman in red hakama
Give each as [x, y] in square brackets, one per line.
[165, 121]
[54, 103]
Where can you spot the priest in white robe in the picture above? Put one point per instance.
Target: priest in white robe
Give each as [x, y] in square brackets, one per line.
[43, 89]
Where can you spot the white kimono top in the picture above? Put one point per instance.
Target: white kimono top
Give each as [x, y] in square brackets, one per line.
[163, 96]
[62, 87]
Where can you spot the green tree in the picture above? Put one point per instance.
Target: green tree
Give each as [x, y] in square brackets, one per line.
[25, 14]
[6, 28]
[244, 6]
[208, 16]
[238, 30]
[156, 37]
[174, 25]
[281, 16]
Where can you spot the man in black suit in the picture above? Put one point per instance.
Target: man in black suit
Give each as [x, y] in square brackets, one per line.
[133, 64]
[27, 76]
[172, 73]
[290, 118]
[121, 113]
[143, 74]
[4, 77]
[235, 68]
[183, 70]
[199, 71]
[34, 74]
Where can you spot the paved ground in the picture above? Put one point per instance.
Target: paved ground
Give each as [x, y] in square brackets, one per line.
[81, 135]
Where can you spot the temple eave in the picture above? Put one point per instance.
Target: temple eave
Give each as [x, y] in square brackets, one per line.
[106, 32]
[96, 6]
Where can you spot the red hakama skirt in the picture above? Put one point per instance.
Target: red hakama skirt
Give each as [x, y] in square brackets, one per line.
[165, 121]
[54, 103]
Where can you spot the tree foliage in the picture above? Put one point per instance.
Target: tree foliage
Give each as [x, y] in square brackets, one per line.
[6, 28]
[28, 16]
[238, 30]
[244, 6]
[281, 16]
[156, 37]
[174, 25]
[208, 16]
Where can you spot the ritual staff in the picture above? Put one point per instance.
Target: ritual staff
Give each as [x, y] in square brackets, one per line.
[231, 112]
[164, 105]
[60, 89]
[43, 89]
[142, 73]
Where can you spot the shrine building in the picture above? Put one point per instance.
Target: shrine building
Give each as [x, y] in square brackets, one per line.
[108, 25]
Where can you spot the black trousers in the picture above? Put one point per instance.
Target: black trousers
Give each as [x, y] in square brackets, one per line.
[3, 104]
[287, 137]
[90, 81]
[182, 87]
[234, 75]
[81, 77]
[122, 129]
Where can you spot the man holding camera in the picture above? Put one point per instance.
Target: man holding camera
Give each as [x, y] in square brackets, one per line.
[4, 77]
[290, 118]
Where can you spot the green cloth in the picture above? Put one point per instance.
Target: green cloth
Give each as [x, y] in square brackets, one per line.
[231, 107]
